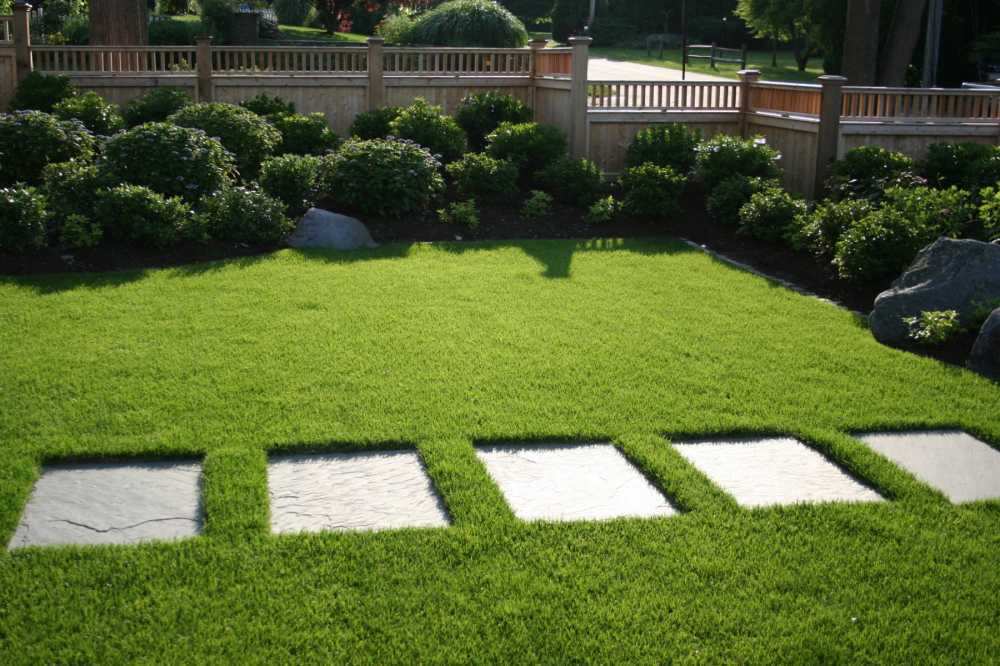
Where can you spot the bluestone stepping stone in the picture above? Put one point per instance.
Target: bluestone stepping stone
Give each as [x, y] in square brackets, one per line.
[352, 491]
[577, 482]
[956, 463]
[112, 503]
[773, 471]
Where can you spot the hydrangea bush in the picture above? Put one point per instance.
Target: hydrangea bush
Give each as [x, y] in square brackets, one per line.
[29, 140]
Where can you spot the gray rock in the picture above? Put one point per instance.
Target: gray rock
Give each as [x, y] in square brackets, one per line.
[320, 228]
[985, 356]
[948, 274]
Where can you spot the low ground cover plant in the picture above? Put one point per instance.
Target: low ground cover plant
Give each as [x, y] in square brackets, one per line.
[933, 327]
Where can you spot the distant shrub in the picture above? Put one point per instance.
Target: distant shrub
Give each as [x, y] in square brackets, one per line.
[72, 188]
[577, 182]
[292, 179]
[530, 146]
[29, 140]
[770, 213]
[651, 191]
[723, 156]
[304, 134]
[603, 211]
[382, 177]
[97, 115]
[463, 213]
[268, 105]
[250, 138]
[537, 205]
[375, 124]
[155, 106]
[170, 160]
[989, 212]
[867, 171]
[175, 32]
[22, 219]
[245, 215]
[468, 23]
[934, 212]
[818, 231]
[479, 175]
[294, 12]
[970, 166]
[933, 327]
[78, 231]
[876, 248]
[481, 113]
[41, 92]
[673, 145]
[137, 214]
[397, 29]
[728, 196]
[427, 125]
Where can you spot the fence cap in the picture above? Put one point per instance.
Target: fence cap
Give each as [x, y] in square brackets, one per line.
[22, 5]
[581, 40]
[375, 40]
[832, 80]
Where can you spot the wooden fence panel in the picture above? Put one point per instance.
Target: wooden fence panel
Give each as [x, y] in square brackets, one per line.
[866, 103]
[786, 98]
[668, 95]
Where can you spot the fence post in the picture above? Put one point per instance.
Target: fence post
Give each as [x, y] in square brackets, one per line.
[748, 77]
[206, 89]
[537, 46]
[22, 40]
[711, 56]
[828, 137]
[376, 73]
[579, 140]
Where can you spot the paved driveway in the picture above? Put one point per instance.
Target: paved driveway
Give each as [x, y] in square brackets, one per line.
[602, 69]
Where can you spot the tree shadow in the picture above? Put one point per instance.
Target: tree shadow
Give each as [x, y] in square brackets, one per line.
[56, 283]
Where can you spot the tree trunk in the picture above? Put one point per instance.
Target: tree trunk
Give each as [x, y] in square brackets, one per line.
[860, 60]
[904, 33]
[119, 23]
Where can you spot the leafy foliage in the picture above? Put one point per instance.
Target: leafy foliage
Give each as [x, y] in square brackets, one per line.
[537, 205]
[989, 212]
[480, 114]
[479, 175]
[250, 138]
[468, 23]
[41, 92]
[726, 199]
[22, 219]
[568, 17]
[29, 140]
[530, 146]
[246, 215]
[72, 188]
[375, 124]
[970, 166]
[933, 212]
[652, 191]
[572, 181]
[818, 231]
[867, 171]
[155, 106]
[933, 327]
[876, 248]
[292, 179]
[603, 211]
[427, 125]
[463, 213]
[97, 115]
[78, 231]
[304, 134]
[723, 155]
[674, 145]
[137, 214]
[770, 213]
[268, 105]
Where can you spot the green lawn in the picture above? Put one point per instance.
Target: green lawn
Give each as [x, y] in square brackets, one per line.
[440, 346]
[786, 70]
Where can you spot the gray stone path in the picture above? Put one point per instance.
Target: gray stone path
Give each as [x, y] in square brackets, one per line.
[956, 463]
[581, 482]
[767, 472]
[111, 503]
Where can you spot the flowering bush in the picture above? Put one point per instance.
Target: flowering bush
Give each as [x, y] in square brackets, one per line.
[250, 138]
[31, 139]
[723, 156]
[97, 115]
[72, 188]
[138, 214]
[246, 215]
[22, 219]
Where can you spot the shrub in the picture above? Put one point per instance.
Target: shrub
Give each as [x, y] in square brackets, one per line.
[171, 160]
[568, 16]
[71, 188]
[79, 231]
[292, 179]
[397, 29]
[726, 199]
[97, 115]
[267, 105]
[304, 134]
[250, 138]
[155, 106]
[572, 181]
[246, 215]
[481, 113]
[375, 124]
[722, 156]
[876, 249]
[218, 18]
[469, 23]
[989, 213]
[464, 213]
[651, 191]
[867, 171]
[22, 219]
[479, 175]
[530, 146]
[428, 126]
[294, 12]
[769, 214]
[41, 92]
[817, 232]
[933, 213]
[537, 205]
[31, 139]
[933, 327]
[969, 166]
[672, 145]
[603, 211]
[138, 214]
[382, 176]
[174, 32]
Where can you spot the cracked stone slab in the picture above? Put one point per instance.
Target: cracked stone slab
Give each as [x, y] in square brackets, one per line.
[572, 482]
[352, 491]
[112, 503]
[962, 467]
[773, 471]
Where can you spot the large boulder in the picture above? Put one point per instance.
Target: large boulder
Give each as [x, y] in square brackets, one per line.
[985, 356]
[948, 274]
[321, 228]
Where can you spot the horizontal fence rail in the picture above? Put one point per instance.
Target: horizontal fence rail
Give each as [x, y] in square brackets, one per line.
[289, 60]
[665, 95]
[451, 61]
[792, 99]
[96, 59]
[865, 103]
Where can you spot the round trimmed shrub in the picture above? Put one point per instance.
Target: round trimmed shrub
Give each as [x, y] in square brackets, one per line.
[137, 214]
[41, 92]
[530, 146]
[294, 12]
[876, 249]
[574, 182]
[375, 124]
[479, 175]
[481, 113]
[382, 177]
[651, 191]
[966, 165]
[723, 156]
[171, 160]
[29, 140]
[817, 232]
[155, 106]
[726, 199]
[72, 188]
[427, 125]
[867, 171]
[304, 134]
[292, 179]
[22, 219]
[770, 214]
[96, 114]
[250, 138]
[268, 105]
[246, 215]
[469, 23]
[672, 145]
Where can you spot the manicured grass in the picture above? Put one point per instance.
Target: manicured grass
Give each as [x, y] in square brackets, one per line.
[438, 347]
[300, 32]
[786, 70]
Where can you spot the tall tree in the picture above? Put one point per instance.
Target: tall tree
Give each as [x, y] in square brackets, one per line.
[860, 59]
[904, 34]
[785, 20]
[119, 23]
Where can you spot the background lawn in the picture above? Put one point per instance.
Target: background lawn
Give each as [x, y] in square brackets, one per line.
[786, 70]
[437, 347]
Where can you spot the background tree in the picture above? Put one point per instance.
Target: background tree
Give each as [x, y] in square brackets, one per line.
[119, 22]
[790, 21]
[904, 34]
[860, 53]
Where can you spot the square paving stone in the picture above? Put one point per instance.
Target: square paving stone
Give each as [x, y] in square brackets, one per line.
[956, 463]
[580, 482]
[768, 472]
[112, 503]
[352, 491]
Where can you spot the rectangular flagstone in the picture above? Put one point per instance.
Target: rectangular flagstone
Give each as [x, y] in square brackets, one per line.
[956, 463]
[576, 482]
[317, 492]
[773, 471]
[112, 503]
